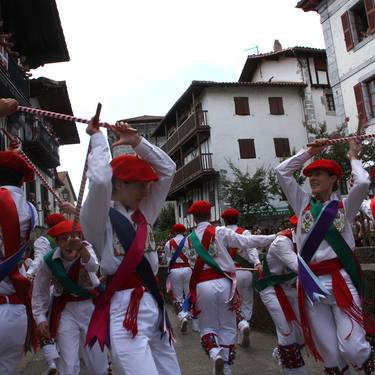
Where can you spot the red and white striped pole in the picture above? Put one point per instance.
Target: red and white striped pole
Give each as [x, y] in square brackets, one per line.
[329, 142]
[36, 170]
[59, 116]
[84, 178]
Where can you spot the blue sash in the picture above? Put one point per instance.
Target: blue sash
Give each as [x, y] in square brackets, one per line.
[176, 253]
[311, 284]
[125, 234]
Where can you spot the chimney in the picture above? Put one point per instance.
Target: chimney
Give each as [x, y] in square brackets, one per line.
[277, 46]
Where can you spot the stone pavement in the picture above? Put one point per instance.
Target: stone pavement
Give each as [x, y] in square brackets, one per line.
[193, 361]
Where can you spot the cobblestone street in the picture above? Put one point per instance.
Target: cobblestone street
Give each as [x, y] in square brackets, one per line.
[193, 361]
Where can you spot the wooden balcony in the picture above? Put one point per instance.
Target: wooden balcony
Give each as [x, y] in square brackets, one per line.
[200, 166]
[197, 121]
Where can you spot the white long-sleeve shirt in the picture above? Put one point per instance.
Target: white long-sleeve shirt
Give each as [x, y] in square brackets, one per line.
[44, 279]
[281, 257]
[251, 255]
[169, 251]
[41, 248]
[299, 199]
[24, 216]
[94, 217]
[226, 238]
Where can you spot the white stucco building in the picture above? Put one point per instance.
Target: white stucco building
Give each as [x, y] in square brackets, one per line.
[297, 64]
[349, 33]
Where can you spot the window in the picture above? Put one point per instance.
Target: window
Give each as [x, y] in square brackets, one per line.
[370, 86]
[358, 22]
[320, 64]
[330, 103]
[241, 106]
[276, 106]
[282, 148]
[359, 99]
[247, 148]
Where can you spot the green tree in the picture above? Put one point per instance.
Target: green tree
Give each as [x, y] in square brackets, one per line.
[247, 192]
[164, 223]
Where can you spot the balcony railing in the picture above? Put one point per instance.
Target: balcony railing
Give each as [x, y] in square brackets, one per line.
[14, 81]
[197, 120]
[37, 140]
[190, 171]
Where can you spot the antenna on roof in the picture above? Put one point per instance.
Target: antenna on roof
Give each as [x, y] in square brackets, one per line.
[252, 48]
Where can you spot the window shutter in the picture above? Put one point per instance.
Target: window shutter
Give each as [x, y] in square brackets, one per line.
[282, 148]
[347, 31]
[361, 109]
[276, 106]
[370, 11]
[320, 63]
[247, 148]
[241, 105]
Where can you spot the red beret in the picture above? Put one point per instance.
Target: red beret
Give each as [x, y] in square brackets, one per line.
[326, 165]
[63, 227]
[13, 160]
[178, 228]
[131, 168]
[54, 219]
[293, 220]
[200, 207]
[230, 212]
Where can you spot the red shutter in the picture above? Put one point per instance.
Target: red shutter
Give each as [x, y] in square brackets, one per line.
[370, 11]
[347, 31]
[361, 109]
[276, 105]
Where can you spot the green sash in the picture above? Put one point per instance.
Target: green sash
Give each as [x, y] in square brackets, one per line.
[51, 241]
[203, 253]
[244, 263]
[269, 279]
[342, 249]
[58, 271]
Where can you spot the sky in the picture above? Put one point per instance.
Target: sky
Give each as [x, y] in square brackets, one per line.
[138, 57]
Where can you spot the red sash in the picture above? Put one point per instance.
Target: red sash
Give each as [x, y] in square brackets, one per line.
[234, 250]
[10, 228]
[60, 302]
[372, 206]
[208, 237]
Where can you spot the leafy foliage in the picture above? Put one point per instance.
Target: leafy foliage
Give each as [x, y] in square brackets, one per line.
[164, 223]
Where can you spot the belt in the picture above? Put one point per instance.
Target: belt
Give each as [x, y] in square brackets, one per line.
[209, 274]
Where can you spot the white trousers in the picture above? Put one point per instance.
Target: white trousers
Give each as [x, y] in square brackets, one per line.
[180, 278]
[338, 339]
[287, 334]
[13, 329]
[71, 335]
[245, 289]
[146, 353]
[215, 316]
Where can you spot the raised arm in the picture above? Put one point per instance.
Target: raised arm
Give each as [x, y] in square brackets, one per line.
[361, 183]
[94, 213]
[165, 167]
[284, 172]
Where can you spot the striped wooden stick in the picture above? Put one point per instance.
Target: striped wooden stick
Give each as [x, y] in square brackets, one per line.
[335, 141]
[59, 116]
[84, 178]
[31, 164]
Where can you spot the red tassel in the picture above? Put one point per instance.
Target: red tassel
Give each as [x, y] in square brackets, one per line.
[131, 316]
